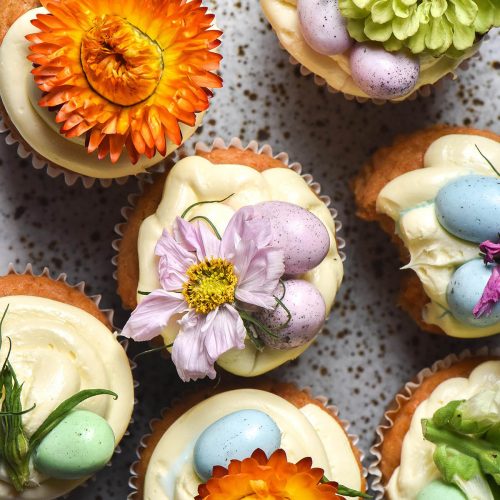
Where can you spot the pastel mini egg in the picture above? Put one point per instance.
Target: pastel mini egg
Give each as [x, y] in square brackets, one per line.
[307, 316]
[439, 490]
[382, 74]
[81, 444]
[323, 26]
[301, 235]
[235, 436]
[469, 208]
[465, 290]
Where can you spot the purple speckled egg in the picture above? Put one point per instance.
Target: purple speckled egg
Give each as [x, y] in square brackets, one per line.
[303, 238]
[307, 310]
[382, 74]
[323, 26]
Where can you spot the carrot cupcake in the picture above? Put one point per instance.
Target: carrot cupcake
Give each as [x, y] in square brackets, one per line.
[105, 89]
[437, 191]
[66, 385]
[230, 258]
[381, 50]
[439, 440]
[273, 439]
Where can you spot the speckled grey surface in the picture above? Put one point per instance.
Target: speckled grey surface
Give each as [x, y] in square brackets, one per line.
[372, 347]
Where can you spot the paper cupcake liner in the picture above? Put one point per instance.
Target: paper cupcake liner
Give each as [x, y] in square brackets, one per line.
[143, 443]
[403, 397]
[109, 313]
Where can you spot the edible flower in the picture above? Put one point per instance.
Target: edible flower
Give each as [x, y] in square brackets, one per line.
[125, 73]
[490, 296]
[434, 27]
[209, 281]
[490, 251]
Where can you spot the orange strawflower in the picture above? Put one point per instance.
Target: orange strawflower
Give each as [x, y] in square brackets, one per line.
[260, 478]
[125, 72]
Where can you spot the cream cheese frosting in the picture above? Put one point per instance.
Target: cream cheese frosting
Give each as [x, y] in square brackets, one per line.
[57, 351]
[417, 468]
[435, 253]
[305, 432]
[37, 126]
[195, 179]
[335, 70]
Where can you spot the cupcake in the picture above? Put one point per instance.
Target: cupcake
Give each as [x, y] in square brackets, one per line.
[439, 439]
[437, 193]
[105, 89]
[270, 439]
[381, 50]
[230, 258]
[66, 385]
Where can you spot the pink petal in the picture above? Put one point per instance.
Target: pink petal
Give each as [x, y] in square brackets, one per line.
[197, 237]
[174, 262]
[491, 250]
[189, 354]
[491, 295]
[152, 315]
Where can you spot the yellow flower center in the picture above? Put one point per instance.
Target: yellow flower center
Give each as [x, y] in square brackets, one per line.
[121, 63]
[211, 284]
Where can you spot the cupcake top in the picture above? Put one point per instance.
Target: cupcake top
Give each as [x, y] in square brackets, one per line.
[68, 396]
[245, 277]
[380, 49]
[231, 426]
[447, 214]
[126, 85]
[456, 421]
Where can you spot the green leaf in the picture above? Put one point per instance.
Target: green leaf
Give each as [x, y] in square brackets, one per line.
[452, 462]
[62, 410]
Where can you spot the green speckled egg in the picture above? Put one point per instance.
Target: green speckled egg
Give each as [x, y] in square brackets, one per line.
[439, 490]
[80, 445]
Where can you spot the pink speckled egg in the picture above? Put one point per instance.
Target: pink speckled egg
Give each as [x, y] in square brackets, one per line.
[307, 309]
[303, 238]
[323, 26]
[382, 74]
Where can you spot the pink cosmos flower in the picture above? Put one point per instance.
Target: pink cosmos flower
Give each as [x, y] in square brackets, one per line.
[490, 250]
[204, 279]
[491, 295]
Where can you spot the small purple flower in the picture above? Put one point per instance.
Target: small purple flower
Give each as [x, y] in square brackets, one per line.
[490, 250]
[491, 295]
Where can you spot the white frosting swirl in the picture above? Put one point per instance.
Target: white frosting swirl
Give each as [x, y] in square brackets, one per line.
[417, 467]
[435, 253]
[195, 179]
[335, 70]
[17, 89]
[58, 350]
[308, 432]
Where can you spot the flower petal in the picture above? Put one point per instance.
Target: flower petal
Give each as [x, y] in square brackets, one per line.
[491, 295]
[174, 262]
[196, 237]
[151, 316]
[491, 251]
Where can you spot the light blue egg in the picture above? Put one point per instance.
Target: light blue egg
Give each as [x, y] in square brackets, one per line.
[439, 490]
[235, 436]
[465, 289]
[469, 208]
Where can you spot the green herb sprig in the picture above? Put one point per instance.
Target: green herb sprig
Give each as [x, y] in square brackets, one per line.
[345, 491]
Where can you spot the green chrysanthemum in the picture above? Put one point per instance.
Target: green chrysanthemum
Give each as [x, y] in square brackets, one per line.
[435, 27]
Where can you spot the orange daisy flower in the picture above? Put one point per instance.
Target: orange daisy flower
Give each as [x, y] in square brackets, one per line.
[125, 72]
[260, 478]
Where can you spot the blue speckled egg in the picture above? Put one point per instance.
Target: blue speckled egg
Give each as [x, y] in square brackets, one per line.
[469, 208]
[81, 444]
[235, 436]
[303, 238]
[439, 490]
[465, 290]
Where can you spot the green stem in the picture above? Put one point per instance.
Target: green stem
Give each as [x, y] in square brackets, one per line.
[488, 161]
[209, 222]
[203, 203]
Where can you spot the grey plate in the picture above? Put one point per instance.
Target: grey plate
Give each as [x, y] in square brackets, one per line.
[372, 348]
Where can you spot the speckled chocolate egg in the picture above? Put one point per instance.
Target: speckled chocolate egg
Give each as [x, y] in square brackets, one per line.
[382, 74]
[81, 444]
[466, 288]
[307, 316]
[469, 208]
[235, 436]
[323, 26]
[303, 238]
